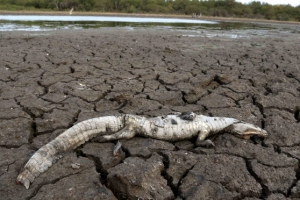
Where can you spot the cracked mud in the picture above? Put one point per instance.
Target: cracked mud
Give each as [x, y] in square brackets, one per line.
[51, 81]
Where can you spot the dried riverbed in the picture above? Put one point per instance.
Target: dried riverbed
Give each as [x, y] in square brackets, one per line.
[52, 80]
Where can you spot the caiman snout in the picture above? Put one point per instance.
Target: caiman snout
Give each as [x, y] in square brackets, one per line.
[246, 130]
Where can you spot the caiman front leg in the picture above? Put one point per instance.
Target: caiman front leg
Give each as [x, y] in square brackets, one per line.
[203, 134]
[202, 141]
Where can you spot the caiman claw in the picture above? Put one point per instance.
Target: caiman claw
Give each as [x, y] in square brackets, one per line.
[246, 130]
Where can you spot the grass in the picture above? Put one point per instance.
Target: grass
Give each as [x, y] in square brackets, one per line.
[8, 7]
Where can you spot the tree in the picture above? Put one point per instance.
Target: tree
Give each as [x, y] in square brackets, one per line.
[207, 7]
[180, 5]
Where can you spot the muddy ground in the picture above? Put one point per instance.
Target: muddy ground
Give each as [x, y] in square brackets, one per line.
[52, 80]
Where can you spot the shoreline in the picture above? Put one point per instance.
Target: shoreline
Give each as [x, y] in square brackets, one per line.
[225, 19]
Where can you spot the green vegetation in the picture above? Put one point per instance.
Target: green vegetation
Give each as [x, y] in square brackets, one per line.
[219, 8]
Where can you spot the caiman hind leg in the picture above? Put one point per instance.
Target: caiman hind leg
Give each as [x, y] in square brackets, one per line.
[126, 133]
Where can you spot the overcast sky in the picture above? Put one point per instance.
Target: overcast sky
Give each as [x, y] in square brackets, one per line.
[274, 2]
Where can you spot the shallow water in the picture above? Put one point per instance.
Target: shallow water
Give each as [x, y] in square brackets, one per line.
[46, 22]
[101, 19]
[193, 27]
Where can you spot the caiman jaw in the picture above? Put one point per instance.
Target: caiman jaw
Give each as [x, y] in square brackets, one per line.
[246, 130]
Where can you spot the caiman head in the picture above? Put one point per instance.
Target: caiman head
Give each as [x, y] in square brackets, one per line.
[246, 130]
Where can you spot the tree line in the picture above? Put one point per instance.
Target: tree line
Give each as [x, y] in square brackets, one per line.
[219, 8]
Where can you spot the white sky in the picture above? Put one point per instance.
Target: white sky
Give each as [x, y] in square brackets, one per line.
[274, 2]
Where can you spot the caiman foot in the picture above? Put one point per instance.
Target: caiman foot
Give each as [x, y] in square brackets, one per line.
[117, 149]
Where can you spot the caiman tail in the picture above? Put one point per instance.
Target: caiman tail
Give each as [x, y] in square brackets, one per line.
[70, 139]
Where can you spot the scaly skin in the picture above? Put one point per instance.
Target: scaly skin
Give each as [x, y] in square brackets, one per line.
[172, 127]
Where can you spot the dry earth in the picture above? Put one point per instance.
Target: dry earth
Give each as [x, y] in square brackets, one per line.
[52, 80]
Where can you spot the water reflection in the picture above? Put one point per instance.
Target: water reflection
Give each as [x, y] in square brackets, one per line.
[44, 23]
[101, 19]
[48, 23]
